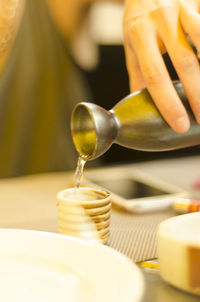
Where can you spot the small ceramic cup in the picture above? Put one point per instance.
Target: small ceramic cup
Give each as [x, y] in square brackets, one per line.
[84, 213]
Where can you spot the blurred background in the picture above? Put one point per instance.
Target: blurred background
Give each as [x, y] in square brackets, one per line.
[108, 79]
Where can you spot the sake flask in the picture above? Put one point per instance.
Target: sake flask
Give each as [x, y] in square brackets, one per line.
[134, 122]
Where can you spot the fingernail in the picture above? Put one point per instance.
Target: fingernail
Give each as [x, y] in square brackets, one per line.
[182, 124]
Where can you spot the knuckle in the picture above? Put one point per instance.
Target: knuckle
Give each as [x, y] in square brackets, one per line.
[135, 27]
[195, 31]
[133, 34]
[185, 61]
[153, 74]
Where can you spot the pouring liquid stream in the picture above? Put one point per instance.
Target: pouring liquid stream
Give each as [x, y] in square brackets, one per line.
[87, 229]
[78, 178]
[79, 172]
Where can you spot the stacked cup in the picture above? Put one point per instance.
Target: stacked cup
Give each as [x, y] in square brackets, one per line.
[84, 213]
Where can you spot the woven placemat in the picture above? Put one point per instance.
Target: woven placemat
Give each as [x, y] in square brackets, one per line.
[135, 235]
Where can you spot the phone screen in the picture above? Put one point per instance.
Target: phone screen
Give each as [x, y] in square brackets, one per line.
[129, 188]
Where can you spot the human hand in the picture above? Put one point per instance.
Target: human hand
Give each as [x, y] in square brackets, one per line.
[152, 27]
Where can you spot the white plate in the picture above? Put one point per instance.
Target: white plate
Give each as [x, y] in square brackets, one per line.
[39, 266]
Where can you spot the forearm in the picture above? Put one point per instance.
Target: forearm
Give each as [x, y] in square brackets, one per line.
[11, 12]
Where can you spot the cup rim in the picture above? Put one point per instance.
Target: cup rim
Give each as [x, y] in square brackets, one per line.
[104, 199]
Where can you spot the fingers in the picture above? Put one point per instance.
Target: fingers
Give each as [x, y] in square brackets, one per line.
[156, 77]
[136, 78]
[190, 20]
[182, 56]
[169, 22]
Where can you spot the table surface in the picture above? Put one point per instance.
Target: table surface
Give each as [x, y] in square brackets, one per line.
[182, 172]
[21, 206]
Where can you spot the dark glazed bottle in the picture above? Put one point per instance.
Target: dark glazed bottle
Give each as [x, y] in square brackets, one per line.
[134, 122]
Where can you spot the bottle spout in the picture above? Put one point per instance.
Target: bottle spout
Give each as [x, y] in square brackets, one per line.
[93, 130]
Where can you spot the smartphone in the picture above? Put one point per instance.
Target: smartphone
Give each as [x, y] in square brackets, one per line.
[134, 190]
